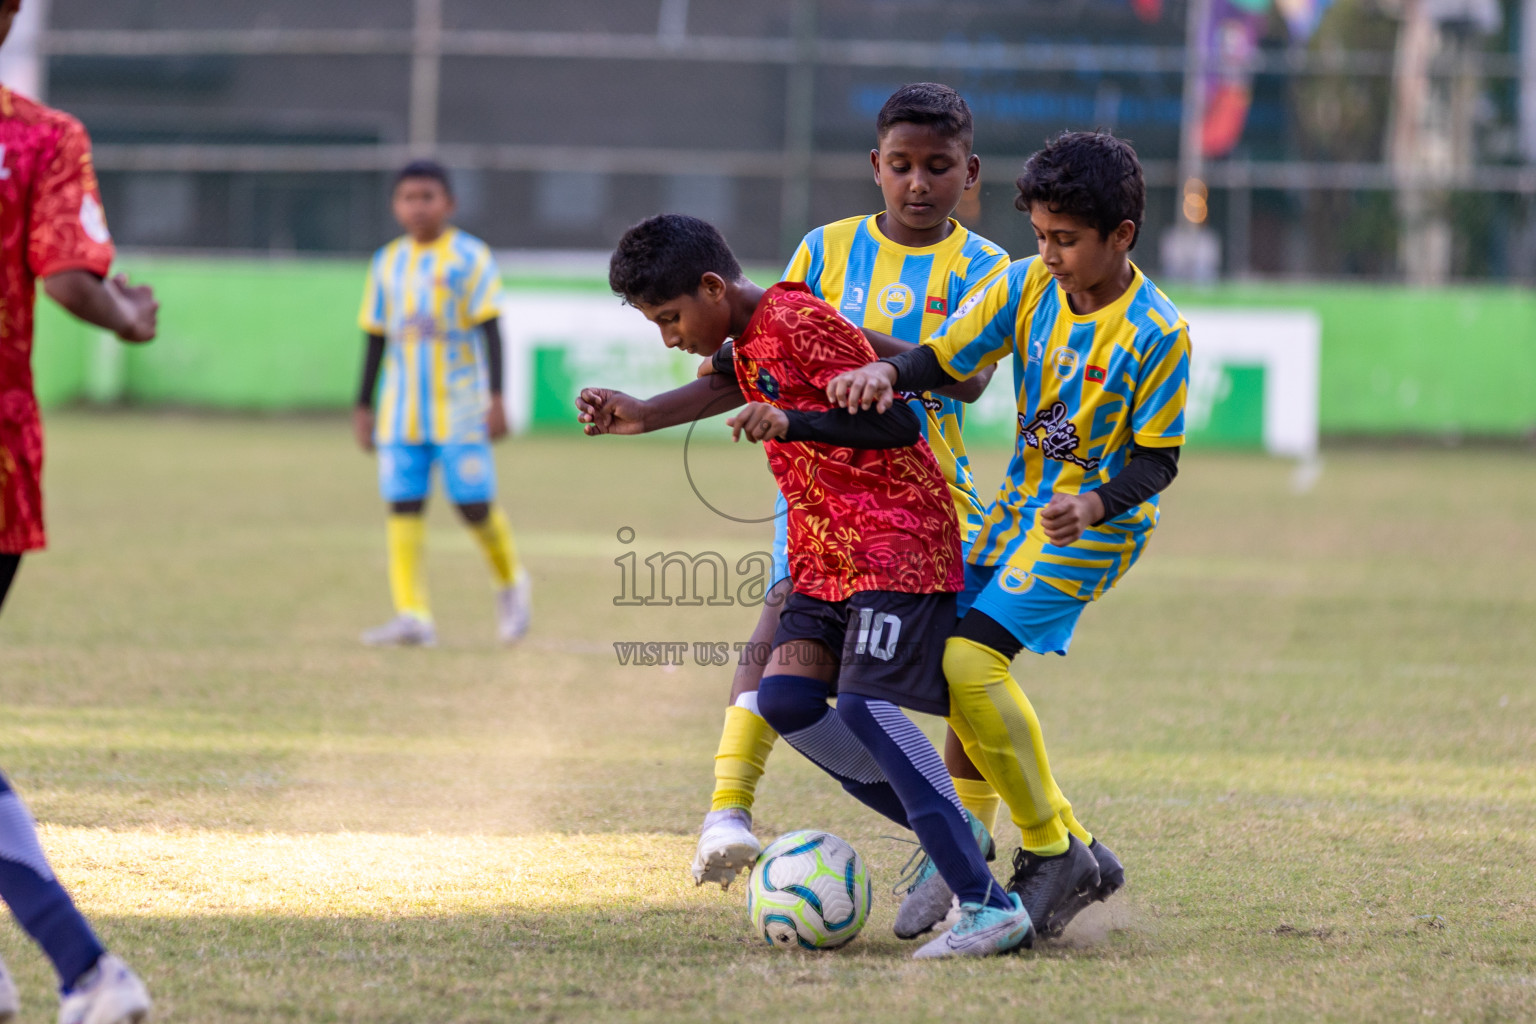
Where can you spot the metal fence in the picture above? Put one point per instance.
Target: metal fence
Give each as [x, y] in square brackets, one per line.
[1397, 143]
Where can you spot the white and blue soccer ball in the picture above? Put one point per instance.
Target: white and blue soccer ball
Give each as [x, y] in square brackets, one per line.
[808, 890]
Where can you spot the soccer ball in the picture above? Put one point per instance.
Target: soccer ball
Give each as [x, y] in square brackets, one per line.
[808, 890]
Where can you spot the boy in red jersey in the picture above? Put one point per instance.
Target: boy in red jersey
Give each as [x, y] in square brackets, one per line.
[51, 226]
[874, 550]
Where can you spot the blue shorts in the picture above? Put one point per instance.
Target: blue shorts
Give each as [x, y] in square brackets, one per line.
[780, 540]
[469, 472]
[1038, 615]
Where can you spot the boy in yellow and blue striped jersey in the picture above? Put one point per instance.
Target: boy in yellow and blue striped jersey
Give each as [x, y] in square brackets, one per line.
[897, 273]
[430, 315]
[1101, 371]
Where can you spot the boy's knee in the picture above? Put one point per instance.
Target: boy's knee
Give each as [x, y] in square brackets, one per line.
[790, 703]
[968, 663]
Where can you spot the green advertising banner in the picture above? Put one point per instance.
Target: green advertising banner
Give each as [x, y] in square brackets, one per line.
[280, 335]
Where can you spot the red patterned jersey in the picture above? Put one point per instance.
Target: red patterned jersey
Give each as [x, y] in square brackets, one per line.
[50, 221]
[859, 519]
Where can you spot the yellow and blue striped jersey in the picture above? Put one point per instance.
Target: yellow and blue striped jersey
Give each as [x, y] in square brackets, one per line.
[906, 292]
[429, 302]
[1088, 387]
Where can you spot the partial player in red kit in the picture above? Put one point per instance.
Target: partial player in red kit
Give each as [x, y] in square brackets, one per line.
[51, 227]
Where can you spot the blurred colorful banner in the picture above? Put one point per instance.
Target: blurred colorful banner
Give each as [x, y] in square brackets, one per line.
[1231, 37]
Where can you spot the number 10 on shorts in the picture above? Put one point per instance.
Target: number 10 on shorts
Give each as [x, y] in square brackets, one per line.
[878, 633]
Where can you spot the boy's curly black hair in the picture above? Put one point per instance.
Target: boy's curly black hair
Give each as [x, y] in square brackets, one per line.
[1092, 176]
[929, 104]
[665, 256]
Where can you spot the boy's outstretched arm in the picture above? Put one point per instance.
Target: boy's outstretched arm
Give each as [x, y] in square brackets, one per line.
[966, 391]
[875, 384]
[604, 411]
[128, 311]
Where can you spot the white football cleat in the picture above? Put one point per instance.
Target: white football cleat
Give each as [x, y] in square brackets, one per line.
[402, 631]
[10, 1001]
[726, 846]
[514, 608]
[110, 994]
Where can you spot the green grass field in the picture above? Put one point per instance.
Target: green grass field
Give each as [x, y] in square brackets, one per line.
[1305, 722]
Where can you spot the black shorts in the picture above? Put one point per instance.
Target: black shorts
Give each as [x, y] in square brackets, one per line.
[888, 645]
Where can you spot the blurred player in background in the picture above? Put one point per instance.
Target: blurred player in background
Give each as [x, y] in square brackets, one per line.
[430, 315]
[51, 227]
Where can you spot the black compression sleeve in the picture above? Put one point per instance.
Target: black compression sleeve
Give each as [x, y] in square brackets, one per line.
[918, 369]
[1147, 473]
[897, 427]
[373, 358]
[724, 360]
[493, 363]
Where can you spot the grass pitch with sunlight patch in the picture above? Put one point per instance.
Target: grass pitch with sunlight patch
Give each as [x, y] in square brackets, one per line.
[1304, 722]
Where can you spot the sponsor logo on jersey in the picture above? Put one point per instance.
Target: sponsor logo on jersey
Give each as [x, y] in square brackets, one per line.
[1066, 364]
[855, 298]
[968, 305]
[1053, 432]
[937, 304]
[766, 384]
[929, 402]
[895, 300]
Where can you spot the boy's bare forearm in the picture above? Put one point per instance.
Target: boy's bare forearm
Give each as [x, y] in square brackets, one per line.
[963, 391]
[705, 396]
[84, 295]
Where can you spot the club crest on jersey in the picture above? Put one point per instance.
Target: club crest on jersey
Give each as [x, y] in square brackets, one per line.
[1053, 432]
[895, 300]
[1015, 581]
[766, 384]
[1066, 364]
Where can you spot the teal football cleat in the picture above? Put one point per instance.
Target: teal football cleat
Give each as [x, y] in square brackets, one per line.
[983, 931]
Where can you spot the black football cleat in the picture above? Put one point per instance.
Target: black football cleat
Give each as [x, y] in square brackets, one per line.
[1055, 889]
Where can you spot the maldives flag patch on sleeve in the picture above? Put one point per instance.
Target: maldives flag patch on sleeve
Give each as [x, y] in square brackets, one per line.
[1094, 374]
[937, 304]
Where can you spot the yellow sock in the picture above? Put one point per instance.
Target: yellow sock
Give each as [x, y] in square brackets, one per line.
[1001, 734]
[407, 539]
[1070, 820]
[744, 745]
[495, 536]
[978, 797]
